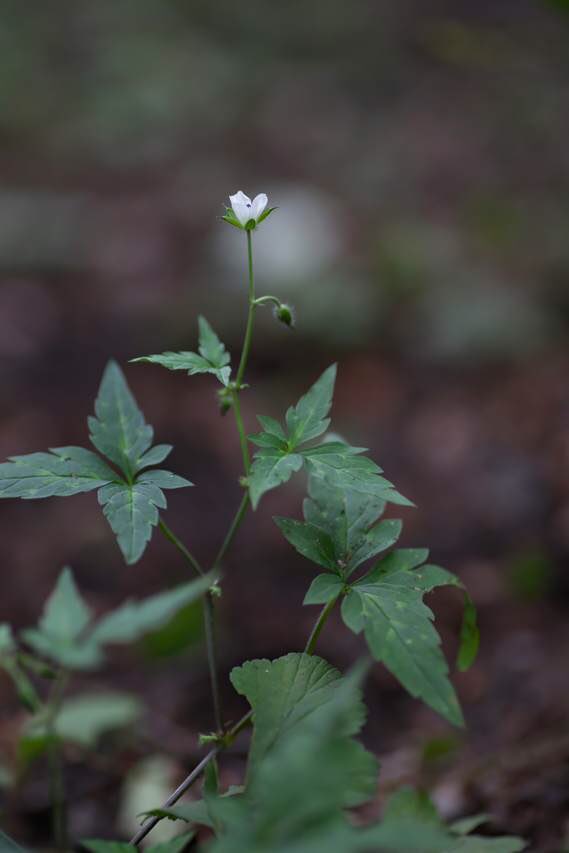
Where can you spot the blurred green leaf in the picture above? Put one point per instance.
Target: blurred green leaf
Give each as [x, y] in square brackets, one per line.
[85, 719]
[136, 618]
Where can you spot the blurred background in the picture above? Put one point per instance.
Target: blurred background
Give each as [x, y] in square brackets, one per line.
[418, 155]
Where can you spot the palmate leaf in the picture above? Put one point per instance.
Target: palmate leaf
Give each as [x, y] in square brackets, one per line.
[61, 472]
[282, 452]
[338, 533]
[67, 634]
[387, 605]
[119, 430]
[212, 358]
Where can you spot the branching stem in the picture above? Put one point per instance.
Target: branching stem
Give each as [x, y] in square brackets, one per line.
[149, 825]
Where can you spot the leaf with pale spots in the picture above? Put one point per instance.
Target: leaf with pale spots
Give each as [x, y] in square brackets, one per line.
[387, 605]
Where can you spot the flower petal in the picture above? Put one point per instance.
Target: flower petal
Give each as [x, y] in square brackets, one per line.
[241, 205]
[258, 205]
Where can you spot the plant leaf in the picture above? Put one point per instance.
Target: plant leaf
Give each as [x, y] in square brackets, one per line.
[323, 589]
[61, 472]
[136, 618]
[119, 430]
[411, 823]
[65, 613]
[85, 719]
[162, 479]
[60, 634]
[7, 845]
[174, 845]
[387, 604]
[213, 357]
[309, 418]
[270, 469]
[7, 642]
[282, 693]
[345, 468]
[310, 541]
[154, 456]
[132, 512]
[344, 514]
[295, 801]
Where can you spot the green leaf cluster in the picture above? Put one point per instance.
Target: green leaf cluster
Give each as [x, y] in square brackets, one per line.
[306, 769]
[340, 532]
[212, 357]
[285, 450]
[130, 496]
[69, 635]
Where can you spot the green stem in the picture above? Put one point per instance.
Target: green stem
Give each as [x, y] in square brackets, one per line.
[319, 624]
[55, 764]
[211, 646]
[233, 528]
[263, 300]
[241, 431]
[149, 825]
[250, 317]
[171, 537]
[209, 624]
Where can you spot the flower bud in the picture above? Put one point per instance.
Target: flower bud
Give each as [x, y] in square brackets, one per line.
[285, 314]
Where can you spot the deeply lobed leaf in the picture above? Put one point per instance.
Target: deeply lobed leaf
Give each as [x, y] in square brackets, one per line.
[61, 472]
[212, 358]
[387, 605]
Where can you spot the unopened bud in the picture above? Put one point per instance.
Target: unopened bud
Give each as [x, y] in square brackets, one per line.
[285, 314]
[225, 400]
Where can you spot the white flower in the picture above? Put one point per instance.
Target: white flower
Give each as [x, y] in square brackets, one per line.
[245, 209]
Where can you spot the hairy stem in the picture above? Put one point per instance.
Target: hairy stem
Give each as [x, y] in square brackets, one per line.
[149, 825]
